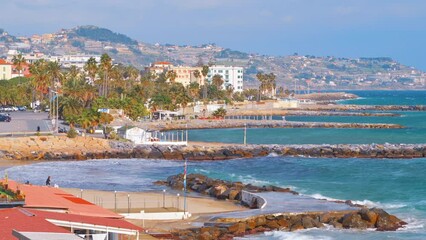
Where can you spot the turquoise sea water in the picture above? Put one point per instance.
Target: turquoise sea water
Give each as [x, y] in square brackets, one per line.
[397, 185]
[413, 121]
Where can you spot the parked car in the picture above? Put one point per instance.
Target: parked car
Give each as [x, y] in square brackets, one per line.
[5, 118]
[22, 108]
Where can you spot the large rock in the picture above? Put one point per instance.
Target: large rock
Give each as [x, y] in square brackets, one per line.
[354, 220]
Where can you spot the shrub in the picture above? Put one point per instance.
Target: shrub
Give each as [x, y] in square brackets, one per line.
[72, 133]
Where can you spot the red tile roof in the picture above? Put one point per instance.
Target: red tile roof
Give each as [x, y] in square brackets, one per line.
[162, 63]
[4, 62]
[24, 221]
[28, 220]
[109, 222]
[55, 198]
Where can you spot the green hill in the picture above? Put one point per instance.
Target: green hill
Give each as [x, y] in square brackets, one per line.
[103, 34]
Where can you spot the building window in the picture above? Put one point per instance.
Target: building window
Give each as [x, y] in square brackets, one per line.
[226, 76]
[227, 71]
[220, 71]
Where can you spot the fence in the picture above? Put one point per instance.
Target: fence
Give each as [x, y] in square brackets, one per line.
[127, 202]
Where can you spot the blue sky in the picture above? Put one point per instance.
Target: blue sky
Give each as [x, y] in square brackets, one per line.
[341, 28]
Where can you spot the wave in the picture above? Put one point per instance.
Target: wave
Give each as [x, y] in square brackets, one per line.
[300, 235]
[365, 202]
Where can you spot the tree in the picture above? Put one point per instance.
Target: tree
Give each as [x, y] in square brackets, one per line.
[205, 71]
[267, 84]
[105, 67]
[18, 61]
[194, 90]
[91, 67]
[219, 113]
[171, 76]
[40, 78]
[217, 81]
[197, 74]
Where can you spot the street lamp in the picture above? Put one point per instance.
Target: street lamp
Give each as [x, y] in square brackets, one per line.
[81, 193]
[164, 198]
[115, 201]
[245, 133]
[177, 202]
[128, 203]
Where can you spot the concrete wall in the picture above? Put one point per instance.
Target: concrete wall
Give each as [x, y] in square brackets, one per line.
[250, 198]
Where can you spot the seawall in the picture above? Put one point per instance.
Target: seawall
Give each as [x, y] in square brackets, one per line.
[81, 148]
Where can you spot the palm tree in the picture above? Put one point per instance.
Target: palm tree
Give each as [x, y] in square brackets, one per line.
[194, 90]
[171, 75]
[105, 66]
[40, 78]
[197, 74]
[91, 67]
[205, 71]
[18, 61]
[217, 81]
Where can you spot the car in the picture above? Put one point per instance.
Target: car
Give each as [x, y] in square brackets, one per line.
[5, 118]
[22, 108]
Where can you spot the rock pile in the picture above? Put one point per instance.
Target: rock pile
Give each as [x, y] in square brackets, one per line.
[59, 148]
[217, 188]
[364, 218]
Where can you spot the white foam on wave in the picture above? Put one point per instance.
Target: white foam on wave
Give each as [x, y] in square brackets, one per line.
[300, 235]
[366, 202]
[252, 180]
[273, 154]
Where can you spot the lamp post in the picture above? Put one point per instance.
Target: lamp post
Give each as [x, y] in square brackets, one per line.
[245, 133]
[177, 202]
[128, 203]
[164, 198]
[81, 193]
[115, 201]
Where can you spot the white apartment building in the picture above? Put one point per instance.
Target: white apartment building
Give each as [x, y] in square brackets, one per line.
[232, 76]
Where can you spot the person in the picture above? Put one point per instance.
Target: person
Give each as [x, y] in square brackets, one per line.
[48, 181]
[38, 129]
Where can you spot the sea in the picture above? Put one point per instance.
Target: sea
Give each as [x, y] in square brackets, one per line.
[396, 185]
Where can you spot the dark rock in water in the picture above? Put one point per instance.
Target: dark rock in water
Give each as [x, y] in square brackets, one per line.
[354, 220]
[385, 221]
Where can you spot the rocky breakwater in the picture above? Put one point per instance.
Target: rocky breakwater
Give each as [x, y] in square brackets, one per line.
[217, 188]
[81, 148]
[362, 219]
[227, 228]
[237, 123]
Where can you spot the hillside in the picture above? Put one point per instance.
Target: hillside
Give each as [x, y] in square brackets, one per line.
[298, 73]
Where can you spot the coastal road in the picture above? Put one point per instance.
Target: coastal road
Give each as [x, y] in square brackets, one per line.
[27, 121]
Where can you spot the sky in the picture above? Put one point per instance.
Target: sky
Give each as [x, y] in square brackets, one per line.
[341, 28]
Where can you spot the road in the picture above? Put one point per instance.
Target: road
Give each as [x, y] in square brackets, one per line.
[26, 122]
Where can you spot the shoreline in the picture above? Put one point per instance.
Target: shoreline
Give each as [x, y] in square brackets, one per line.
[83, 148]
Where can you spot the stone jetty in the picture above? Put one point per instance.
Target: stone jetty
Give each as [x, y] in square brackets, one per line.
[81, 148]
[228, 227]
[238, 123]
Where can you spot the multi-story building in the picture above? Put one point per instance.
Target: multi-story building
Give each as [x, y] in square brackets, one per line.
[231, 76]
[186, 76]
[158, 68]
[5, 70]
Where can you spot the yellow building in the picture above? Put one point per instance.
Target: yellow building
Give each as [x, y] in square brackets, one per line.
[185, 75]
[5, 70]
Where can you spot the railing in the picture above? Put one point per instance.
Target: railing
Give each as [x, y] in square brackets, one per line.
[25, 134]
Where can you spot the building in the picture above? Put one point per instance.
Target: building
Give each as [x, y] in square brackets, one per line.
[5, 70]
[158, 68]
[186, 76]
[232, 76]
[55, 214]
